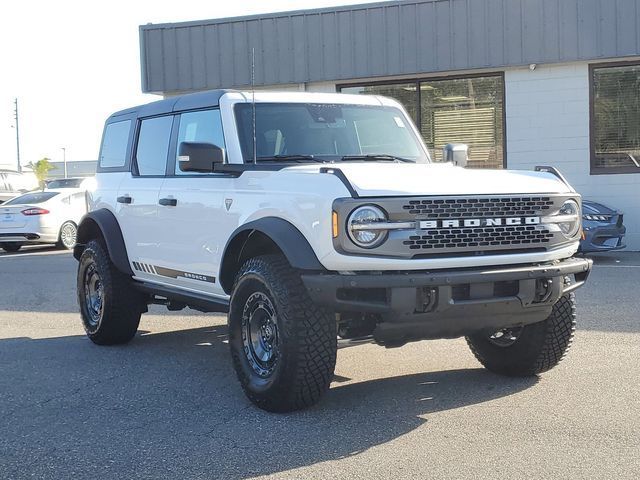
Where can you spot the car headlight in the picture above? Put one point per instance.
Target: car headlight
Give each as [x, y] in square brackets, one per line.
[569, 218]
[362, 229]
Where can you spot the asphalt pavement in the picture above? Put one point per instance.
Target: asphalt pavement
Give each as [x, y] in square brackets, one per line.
[168, 405]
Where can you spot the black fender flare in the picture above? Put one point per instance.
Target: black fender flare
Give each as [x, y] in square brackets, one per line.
[284, 234]
[103, 222]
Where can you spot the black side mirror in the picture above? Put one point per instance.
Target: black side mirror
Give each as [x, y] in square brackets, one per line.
[199, 157]
[455, 153]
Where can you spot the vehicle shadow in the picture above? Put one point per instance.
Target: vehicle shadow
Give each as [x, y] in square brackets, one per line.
[168, 406]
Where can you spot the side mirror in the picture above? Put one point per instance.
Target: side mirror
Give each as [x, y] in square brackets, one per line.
[455, 153]
[199, 157]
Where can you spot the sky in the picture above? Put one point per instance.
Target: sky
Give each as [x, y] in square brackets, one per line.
[72, 63]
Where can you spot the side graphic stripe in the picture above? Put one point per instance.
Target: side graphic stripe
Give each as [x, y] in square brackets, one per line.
[171, 273]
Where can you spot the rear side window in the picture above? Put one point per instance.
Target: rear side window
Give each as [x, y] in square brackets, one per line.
[38, 197]
[153, 145]
[114, 144]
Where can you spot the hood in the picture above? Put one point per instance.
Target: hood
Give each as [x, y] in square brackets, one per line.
[399, 179]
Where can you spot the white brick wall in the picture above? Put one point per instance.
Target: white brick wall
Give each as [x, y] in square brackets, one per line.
[547, 112]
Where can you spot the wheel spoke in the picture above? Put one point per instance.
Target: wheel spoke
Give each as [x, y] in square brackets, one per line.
[260, 334]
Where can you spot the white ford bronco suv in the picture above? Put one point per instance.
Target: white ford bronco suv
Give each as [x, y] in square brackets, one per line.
[316, 220]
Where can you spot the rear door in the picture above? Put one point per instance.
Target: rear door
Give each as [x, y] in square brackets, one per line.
[137, 200]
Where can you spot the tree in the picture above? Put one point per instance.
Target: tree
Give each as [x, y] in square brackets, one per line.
[41, 170]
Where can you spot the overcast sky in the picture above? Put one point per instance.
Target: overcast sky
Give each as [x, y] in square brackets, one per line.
[71, 63]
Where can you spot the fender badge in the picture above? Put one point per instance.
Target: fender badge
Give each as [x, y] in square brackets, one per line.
[227, 203]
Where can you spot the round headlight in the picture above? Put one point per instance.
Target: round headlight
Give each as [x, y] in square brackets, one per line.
[359, 220]
[571, 225]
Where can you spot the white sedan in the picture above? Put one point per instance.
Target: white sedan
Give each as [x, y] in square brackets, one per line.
[51, 216]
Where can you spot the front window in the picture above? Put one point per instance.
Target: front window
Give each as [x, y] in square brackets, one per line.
[615, 139]
[326, 132]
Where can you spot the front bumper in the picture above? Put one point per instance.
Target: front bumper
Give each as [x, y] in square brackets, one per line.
[452, 303]
[603, 238]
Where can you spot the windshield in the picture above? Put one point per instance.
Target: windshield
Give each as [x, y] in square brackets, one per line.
[39, 197]
[327, 132]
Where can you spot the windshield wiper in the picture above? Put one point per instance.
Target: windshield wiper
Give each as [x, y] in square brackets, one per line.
[285, 158]
[374, 157]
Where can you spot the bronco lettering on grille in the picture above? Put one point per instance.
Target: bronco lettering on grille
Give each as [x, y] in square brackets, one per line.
[478, 222]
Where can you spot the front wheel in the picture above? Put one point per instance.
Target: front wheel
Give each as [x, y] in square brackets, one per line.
[283, 346]
[531, 349]
[109, 305]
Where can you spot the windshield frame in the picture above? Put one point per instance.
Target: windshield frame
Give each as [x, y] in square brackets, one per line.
[245, 144]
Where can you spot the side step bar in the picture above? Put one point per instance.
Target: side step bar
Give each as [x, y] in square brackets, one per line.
[176, 296]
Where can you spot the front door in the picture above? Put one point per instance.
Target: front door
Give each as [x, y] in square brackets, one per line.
[196, 214]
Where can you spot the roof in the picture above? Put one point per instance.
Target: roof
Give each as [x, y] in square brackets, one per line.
[209, 98]
[384, 39]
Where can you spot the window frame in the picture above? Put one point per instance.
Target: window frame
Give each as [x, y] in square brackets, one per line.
[593, 169]
[418, 80]
[135, 171]
[173, 146]
[127, 161]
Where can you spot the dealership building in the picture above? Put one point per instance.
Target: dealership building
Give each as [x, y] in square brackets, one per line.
[522, 82]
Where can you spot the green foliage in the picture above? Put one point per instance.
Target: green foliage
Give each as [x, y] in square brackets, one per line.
[41, 169]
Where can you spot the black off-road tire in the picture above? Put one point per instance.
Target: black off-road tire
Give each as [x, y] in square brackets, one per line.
[538, 347]
[10, 247]
[306, 337]
[117, 317]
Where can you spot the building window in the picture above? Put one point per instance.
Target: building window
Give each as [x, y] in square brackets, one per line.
[615, 119]
[454, 110]
[405, 93]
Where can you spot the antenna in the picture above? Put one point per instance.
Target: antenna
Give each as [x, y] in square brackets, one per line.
[253, 104]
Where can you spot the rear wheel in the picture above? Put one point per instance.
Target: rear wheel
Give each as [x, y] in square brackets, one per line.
[10, 247]
[531, 349]
[283, 346]
[68, 235]
[109, 306]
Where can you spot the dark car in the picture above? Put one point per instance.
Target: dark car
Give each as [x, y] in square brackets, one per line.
[603, 228]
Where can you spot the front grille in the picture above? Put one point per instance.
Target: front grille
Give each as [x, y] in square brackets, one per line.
[456, 226]
[477, 207]
[479, 237]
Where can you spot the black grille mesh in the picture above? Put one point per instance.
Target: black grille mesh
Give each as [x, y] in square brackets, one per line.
[478, 207]
[524, 235]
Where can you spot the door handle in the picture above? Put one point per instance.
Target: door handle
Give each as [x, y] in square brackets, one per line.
[168, 202]
[124, 199]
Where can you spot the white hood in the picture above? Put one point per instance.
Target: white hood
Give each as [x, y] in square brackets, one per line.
[397, 179]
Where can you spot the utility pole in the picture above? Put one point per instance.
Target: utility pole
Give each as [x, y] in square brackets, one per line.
[15, 102]
[64, 160]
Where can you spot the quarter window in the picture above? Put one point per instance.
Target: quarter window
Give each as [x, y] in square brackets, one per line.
[153, 146]
[615, 117]
[203, 127]
[113, 152]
